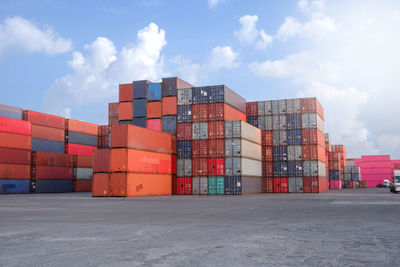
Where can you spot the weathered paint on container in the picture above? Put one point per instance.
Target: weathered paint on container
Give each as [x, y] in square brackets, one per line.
[267, 169]
[267, 153]
[293, 121]
[224, 112]
[113, 110]
[52, 172]
[199, 149]
[200, 131]
[154, 110]
[294, 137]
[53, 186]
[216, 148]
[279, 138]
[335, 184]
[184, 131]
[252, 120]
[184, 186]
[129, 136]
[172, 84]
[315, 184]
[14, 171]
[280, 153]
[154, 92]
[184, 149]
[44, 119]
[14, 126]
[237, 147]
[184, 114]
[265, 123]
[314, 168]
[52, 159]
[295, 153]
[76, 149]
[251, 108]
[15, 156]
[242, 130]
[200, 167]
[83, 161]
[14, 186]
[295, 184]
[216, 185]
[233, 185]
[243, 166]
[267, 185]
[280, 168]
[295, 168]
[200, 112]
[200, 185]
[139, 161]
[293, 106]
[184, 96]
[10, 112]
[216, 130]
[82, 185]
[216, 167]
[266, 138]
[47, 145]
[168, 124]
[168, 106]
[281, 185]
[264, 108]
[312, 121]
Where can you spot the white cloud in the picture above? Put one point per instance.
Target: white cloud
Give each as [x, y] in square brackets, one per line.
[265, 41]
[96, 72]
[213, 3]
[291, 27]
[247, 32]
[308, 7]
[396, 16]
[20, 34]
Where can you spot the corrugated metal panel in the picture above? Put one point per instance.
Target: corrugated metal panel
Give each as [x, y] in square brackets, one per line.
[295, 168]
[243, 166]
[233, 185]
[168, 124]
[84, 173]
[10, 112]
[184, 167]
[295, 153]
[154, 92]
[314, 168]
[140, 89]
[296, 185]
[200, 131]
[47, 145]
[184, 113]
[242, 130]
[237, 147]
[251, 185]
[184, 96]
[280, 153]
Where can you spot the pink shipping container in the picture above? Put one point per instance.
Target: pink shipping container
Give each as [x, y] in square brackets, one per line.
[154, 124]
[335, 184]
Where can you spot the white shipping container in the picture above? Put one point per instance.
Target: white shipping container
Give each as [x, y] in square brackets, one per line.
[265, 123]
[275, 107]
[261, 108]
[243, 166]
[314, 168]
[295, 153]
[84, 173]
[282, 122]
[355, 169]
[282, 106]
[200, 131]
[242, 130]
[200, 186]
[184, 167]
[184, 96]
[236, 147]
[295, 184]
[276, 122]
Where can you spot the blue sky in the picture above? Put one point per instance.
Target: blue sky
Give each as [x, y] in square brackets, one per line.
[67, 57]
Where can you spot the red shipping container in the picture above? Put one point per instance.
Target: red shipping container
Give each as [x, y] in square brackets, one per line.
[216, 130]
[313, 137]
[306, 150]
[125, 111]
[154, 124]
[18, 141]
[101, 160]
[130, 136]
[267, 169]
[48, 133]
[216, 148]
[101, 185]
[14, 171]
[266, 138]
[44, 119]
[316, 153]
[113, 121]
[52, 172]
[199, 167]
[82, 161]
[315, 107]
[184, 186]
[113, 110]
[199, 149]
[52, 159]
[82, 185]
[174, 164]
[216, 167]
[315, 184]
[8, 125]
[81, 127]
[184, 131]
[75, 149]
[200, 112]
[154, 110]
[168, 105]
[267, 185]
[252, 108]
[125, 92]
[104, 130]
[15, 156]
[281, 185]
[224, 112]
[267, 153]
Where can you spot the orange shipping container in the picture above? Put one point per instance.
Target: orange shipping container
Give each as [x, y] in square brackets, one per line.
[48, 133]
[125, 110]
[168, 105]
[154, 110]
[14, 171]
[83, 161]
[44, 119]
[232, 114]
[125, 92]
[140, 185]
[130, 136]
[82, 185]
[81, 127]
[8, 140]
[101, 185]
[139, 161]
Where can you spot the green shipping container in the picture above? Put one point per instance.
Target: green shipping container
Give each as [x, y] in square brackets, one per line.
[216, 185]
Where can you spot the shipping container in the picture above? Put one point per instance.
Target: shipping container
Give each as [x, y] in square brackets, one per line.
[53, 186]
[83, 161]
[313, 137]
[242, 166]
[222, 94]
[49, 133]
[251, 185]
[14, 186]
[295, 184]
[8, 140]
[267, 185]
[184, 114]
[266, 138]
[140, 89]
[242, 130]
[200, 112]
[184, 96]
[139, 161]
[14, 126]
[200, 167]
[267, 153]
[168, 124]
[154, 92]
[312, 105]
[113, 110]
[52, 172]
[52, 159]
[237, 147]
[281, 185]
[335, 184]
[279, 153]
[312, 121]
[10, 112]
[275, 107]
[14, 171]
[216, 148]
[251, 108]
[267, 169]
[184, 186]
[44, 119]
[125, 92]
[184, 131]
[279, 138]
[130, 122]
[168, 106]
[15, 156]
[81, 138]
[47, 145]
[139, 108]
[140, 122]
[216, 167]
[224, 112]
[154, 110]
[76, 149]
[294, 137]
[216, 185]
[252, 120]
[315, 184]
[200, 186]
[84, 173]
[200, 131]
[101, 160]
[81, 127]
[154, 124]
[279, 122]
[233, 185]
[313, 152]
[101, 185]
[280, 168]
[199, 149]
[184, 149]
[264, 108]
[184, 167]
[171, 84]
[293, 121]
[216, 130]
[295, 153]
[293, 106]
[314, 168]
[265, 123]
[125, 111]
[334, 175]
[295, 168]
[82, 185]
[200, 95]
[128, 136]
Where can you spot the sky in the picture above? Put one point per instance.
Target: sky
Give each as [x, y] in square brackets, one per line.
[68, 57]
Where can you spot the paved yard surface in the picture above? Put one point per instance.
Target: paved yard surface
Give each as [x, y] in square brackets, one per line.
[350, 227]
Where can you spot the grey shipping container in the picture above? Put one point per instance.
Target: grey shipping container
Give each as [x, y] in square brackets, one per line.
[168, 124]
[264, 108]
[140, 89]
[347, 169]
[293, 106]
[295, 184]
[279, 122]
[141, 122]
[184, 167]
[200, 130]
[10, 112]
[347, 176]
[251, 185]
[171, 84]
[243, 130]
[312, 121]
[139, 108]
[126, 122]
[355, 169]
[314, 168]
[237, 147]
[295, 153]
[275, 107]
[279, 138]
[81, 138]
[47, 145]
[265, 123]
[83, 173]
[282, 106]
[184, 96]
[242, 166]
[200, 185]
[223, 94]
[350, 163]
[355, 176]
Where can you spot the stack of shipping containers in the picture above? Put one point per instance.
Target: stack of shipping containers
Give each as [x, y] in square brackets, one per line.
[113, 113]
[351, 174]
[140, 163]
[15, 151]
[293, 144]
[333, 160]
[154, 106]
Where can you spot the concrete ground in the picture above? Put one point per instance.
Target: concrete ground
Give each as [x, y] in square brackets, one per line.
[348, 227]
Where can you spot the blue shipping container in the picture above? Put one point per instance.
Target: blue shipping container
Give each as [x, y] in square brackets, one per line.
[53, 186]
[139, 108]
[279, 153]
[294, 137]
[126, 122]
[216, 94]
[140, 89]
[154, 92]
[355, 176]
[200, 95]
[334, 175]
[10, 112]
[13, 186]
[184, 113]
[280, 168]
[81, 138]
[141, 122]
[168, 124]
[47, 145]
[295, 168]
[252, 120]
[184, 150]
[293, 121]
[233, 185]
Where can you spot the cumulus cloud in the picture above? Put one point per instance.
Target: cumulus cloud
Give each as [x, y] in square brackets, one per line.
[97, 71]
[248, 32]
[213, 3]
[17, 33]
